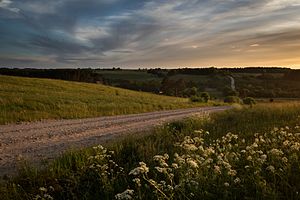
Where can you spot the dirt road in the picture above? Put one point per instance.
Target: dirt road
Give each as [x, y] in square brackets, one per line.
[46, 140]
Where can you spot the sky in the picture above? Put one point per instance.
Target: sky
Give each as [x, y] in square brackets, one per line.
[161, 33]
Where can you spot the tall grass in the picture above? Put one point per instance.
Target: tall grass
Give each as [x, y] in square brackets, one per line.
[96, 173]
[30, 99]
[247, 121]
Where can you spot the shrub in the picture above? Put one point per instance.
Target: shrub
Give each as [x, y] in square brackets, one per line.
[188, 92]
[229, 92]
[249, 101]
[232, 99]
[196, 99]
[205, 96]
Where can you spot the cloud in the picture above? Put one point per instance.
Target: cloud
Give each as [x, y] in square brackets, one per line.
[5, 4]
[132, 33]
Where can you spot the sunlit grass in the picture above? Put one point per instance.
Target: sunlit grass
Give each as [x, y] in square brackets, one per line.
[30, 99]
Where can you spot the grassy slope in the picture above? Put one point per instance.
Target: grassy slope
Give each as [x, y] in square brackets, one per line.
[29, 99]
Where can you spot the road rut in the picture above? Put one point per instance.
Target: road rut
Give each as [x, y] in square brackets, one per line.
[47, 139]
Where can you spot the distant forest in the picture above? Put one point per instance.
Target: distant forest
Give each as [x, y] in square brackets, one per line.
[183, 82]
[90, 75]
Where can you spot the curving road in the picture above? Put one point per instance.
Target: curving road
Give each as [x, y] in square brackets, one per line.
[47, 139]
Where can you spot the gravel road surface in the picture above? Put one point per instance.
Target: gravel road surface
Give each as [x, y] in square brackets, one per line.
[38, 141]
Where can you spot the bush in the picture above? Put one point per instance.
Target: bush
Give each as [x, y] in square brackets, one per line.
[188, 92]
[232, 99]
[229, 92]
[205, 96]
[196, 99]
[249, 101]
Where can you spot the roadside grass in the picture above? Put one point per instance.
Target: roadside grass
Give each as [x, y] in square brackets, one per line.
[97, 173]
[31, 99]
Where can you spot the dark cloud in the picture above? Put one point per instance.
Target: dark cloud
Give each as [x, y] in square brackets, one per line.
[133, 32]
[52, 45]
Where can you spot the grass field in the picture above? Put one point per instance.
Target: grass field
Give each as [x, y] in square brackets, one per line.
[245, 153]
[30, 99]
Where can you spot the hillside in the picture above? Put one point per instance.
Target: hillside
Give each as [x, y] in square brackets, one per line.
[30, 99]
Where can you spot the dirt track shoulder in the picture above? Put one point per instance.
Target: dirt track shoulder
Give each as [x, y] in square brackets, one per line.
[47, 139]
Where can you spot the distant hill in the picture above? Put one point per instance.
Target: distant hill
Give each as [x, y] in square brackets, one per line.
[259, 82]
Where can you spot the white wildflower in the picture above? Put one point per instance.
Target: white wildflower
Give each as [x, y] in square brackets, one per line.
[232, 172]
[275, 152]
[296, 146]
[198, 140]
[208, 161]
[237, 180]
[162, 170]
[174, 165]
[209, 151]
[217, 169]
[226, 184]
[43, 189]
[179, 159]
[142, 169]
[285, 160]
[137, 181]
[286, 143]
[192, 163]
[264, 157]
[198, 131]
[255, 145]
[260, 152]
[249, 158]
[190, 147]
[127, 194]
[226, 165]
[271, 168]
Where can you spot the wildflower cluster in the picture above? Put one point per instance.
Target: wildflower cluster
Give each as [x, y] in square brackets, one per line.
[101, 164]
[44, 193]
[229, 167]
[127, 194]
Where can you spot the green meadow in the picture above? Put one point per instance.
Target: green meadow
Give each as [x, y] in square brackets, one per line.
[243, 153]
[31, 99]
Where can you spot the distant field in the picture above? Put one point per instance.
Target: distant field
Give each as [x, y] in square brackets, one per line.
[30, 99]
